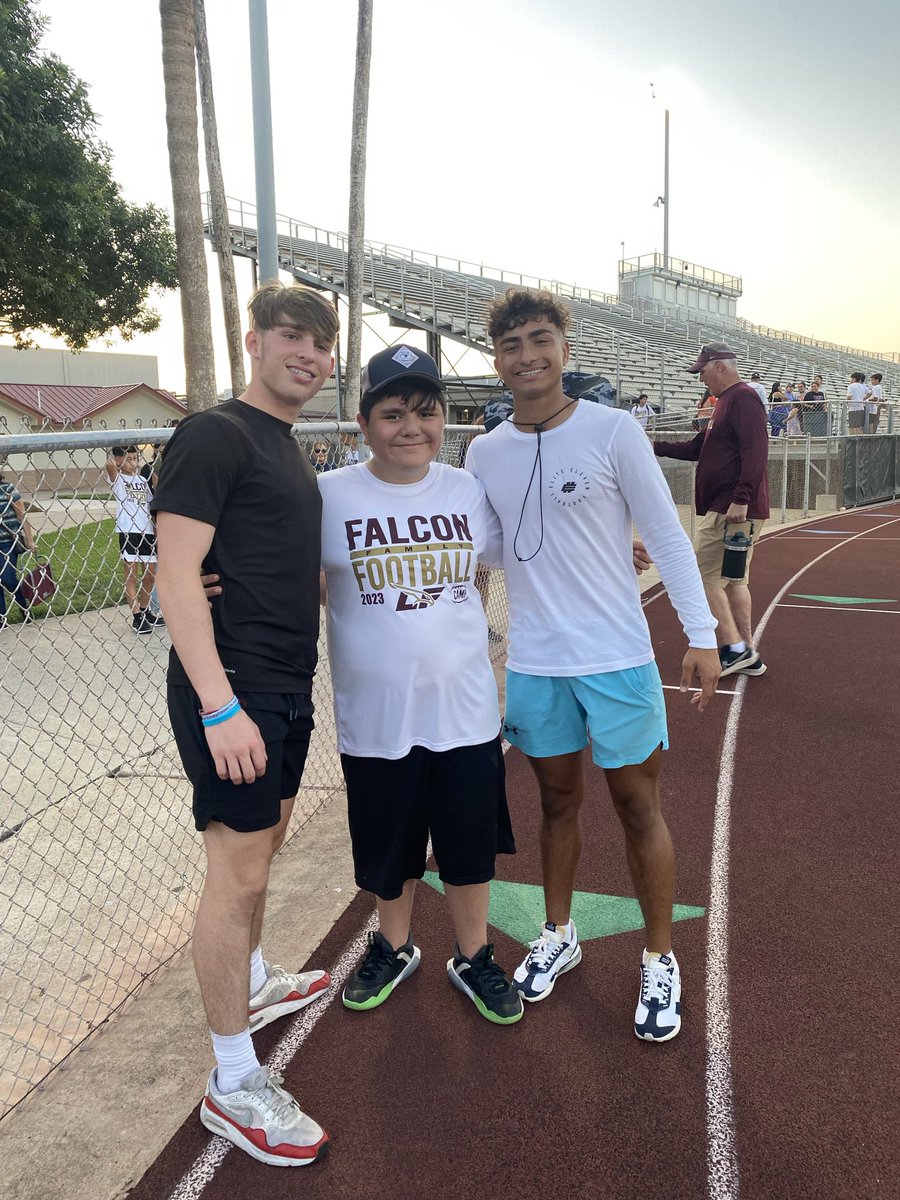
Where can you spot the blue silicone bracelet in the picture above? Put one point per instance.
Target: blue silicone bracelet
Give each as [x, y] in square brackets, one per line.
[221, 714]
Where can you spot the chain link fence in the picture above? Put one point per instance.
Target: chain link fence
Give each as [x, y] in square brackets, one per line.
[100, 868]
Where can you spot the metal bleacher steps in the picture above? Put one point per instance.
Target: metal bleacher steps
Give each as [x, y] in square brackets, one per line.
[641, 345]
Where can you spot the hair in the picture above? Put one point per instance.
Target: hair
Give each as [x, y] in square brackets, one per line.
[776, 387]
[877, 375]
[419, 395]
[131, 450]
[642, 396]
[118, 451]
[521, 305]
[858, 377]
[273, 304]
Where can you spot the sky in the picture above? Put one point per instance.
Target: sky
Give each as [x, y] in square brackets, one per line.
[528, 135]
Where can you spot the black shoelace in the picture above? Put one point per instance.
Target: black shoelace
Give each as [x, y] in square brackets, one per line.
[537, 466]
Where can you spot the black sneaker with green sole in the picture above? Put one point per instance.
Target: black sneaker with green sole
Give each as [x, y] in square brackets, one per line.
[487, 986]
[381, 969]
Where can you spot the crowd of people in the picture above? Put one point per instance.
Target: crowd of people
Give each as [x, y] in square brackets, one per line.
[795, 410]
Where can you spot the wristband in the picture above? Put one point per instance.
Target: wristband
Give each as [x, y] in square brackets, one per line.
[221, 714]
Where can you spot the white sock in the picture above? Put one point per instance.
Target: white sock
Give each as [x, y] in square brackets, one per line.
[257, 971]
[567, 931]
[235, 1059]
[740, 647]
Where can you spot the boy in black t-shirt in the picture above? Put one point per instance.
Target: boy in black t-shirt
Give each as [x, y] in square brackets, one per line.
[236, 485]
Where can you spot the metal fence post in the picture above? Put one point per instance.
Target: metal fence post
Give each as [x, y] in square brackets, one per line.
[806, 467]
[784, 467]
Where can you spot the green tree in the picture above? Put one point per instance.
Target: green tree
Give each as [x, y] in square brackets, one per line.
[75, 258]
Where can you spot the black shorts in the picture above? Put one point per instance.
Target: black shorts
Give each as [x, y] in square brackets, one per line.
[285, 723]
[458, 796]
[137, 547]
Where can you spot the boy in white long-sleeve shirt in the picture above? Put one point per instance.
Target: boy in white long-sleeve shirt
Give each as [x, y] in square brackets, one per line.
[566, 479]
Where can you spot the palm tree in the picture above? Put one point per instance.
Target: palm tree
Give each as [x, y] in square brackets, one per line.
[218, 208]
[180, 79]
[357, 217]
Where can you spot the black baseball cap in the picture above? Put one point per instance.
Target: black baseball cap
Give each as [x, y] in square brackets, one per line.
[395, 363]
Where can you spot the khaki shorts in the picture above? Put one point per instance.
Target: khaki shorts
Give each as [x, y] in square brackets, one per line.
[710, 546]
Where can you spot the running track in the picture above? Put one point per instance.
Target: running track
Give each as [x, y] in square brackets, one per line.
[782, 800]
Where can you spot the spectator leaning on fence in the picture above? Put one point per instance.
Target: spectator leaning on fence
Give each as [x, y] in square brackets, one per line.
[137, 540]
[15, 538]
[238, 495]
[732, 498]
[874, 401]
[856, 403]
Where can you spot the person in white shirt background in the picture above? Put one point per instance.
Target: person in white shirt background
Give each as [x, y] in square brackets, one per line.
[874, 402]
[643, 413]
[856, 403]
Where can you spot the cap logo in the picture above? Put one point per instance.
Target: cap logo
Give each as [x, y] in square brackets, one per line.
[405, 357]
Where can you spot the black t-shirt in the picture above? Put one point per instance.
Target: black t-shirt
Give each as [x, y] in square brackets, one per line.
[815, 401]
[240, 469]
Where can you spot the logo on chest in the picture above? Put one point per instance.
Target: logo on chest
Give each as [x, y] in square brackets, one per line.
[569, 486]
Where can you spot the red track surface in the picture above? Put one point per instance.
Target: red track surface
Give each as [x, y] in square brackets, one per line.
[423, 1098]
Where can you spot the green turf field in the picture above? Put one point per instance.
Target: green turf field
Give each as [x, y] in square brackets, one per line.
[86, 566]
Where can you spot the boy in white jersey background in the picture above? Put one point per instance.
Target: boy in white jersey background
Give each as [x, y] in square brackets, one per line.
[137, 539]
[566, 478]
[415, 698]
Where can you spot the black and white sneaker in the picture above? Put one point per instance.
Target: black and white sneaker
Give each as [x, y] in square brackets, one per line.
[758, 668]
[549, 957]
[381, 969]
[487, 986]
[140, 624]
[657, 1017]
[736, 660]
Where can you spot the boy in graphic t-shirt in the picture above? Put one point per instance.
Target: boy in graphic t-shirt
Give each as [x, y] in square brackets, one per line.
[137, 541]
[414, 693]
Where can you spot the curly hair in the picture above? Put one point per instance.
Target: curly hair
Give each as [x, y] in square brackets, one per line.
[521, 305]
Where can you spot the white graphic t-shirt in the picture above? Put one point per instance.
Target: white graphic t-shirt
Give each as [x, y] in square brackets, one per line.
[407, 635]
[876, 396]
[574, 599]
[133, 495]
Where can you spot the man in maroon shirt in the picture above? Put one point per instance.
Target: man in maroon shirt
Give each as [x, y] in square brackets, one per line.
[732, 497]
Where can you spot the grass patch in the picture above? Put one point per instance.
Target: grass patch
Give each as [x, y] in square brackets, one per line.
[86, 566]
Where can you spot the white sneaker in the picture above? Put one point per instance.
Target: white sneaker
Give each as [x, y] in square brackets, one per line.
[550, 956]
[283, 993]
[657, 1017]
[264, 1120]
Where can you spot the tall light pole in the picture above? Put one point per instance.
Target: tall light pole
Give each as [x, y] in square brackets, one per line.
[664, 198]
[666, 201]
[266, 232]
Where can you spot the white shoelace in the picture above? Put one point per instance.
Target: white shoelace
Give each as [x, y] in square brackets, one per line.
[544, 953]
[276, 1104]
[656, 982]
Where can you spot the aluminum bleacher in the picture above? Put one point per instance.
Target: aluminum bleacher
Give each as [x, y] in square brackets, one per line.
[644, 347]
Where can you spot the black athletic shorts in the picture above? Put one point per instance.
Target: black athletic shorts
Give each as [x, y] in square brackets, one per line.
[458, 796]
[137, 547]
[285, 723]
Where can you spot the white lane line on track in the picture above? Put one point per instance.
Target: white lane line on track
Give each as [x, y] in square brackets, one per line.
[676, 687]
[193, 1183]
[722, 1165]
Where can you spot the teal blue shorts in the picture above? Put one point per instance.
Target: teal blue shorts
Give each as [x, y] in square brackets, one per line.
[621, 713]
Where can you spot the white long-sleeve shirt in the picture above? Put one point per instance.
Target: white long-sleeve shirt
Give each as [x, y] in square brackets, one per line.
[574, 603]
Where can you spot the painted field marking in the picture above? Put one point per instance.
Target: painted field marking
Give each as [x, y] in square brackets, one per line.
[722, 1164]
[843, 599]
[891, 612]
